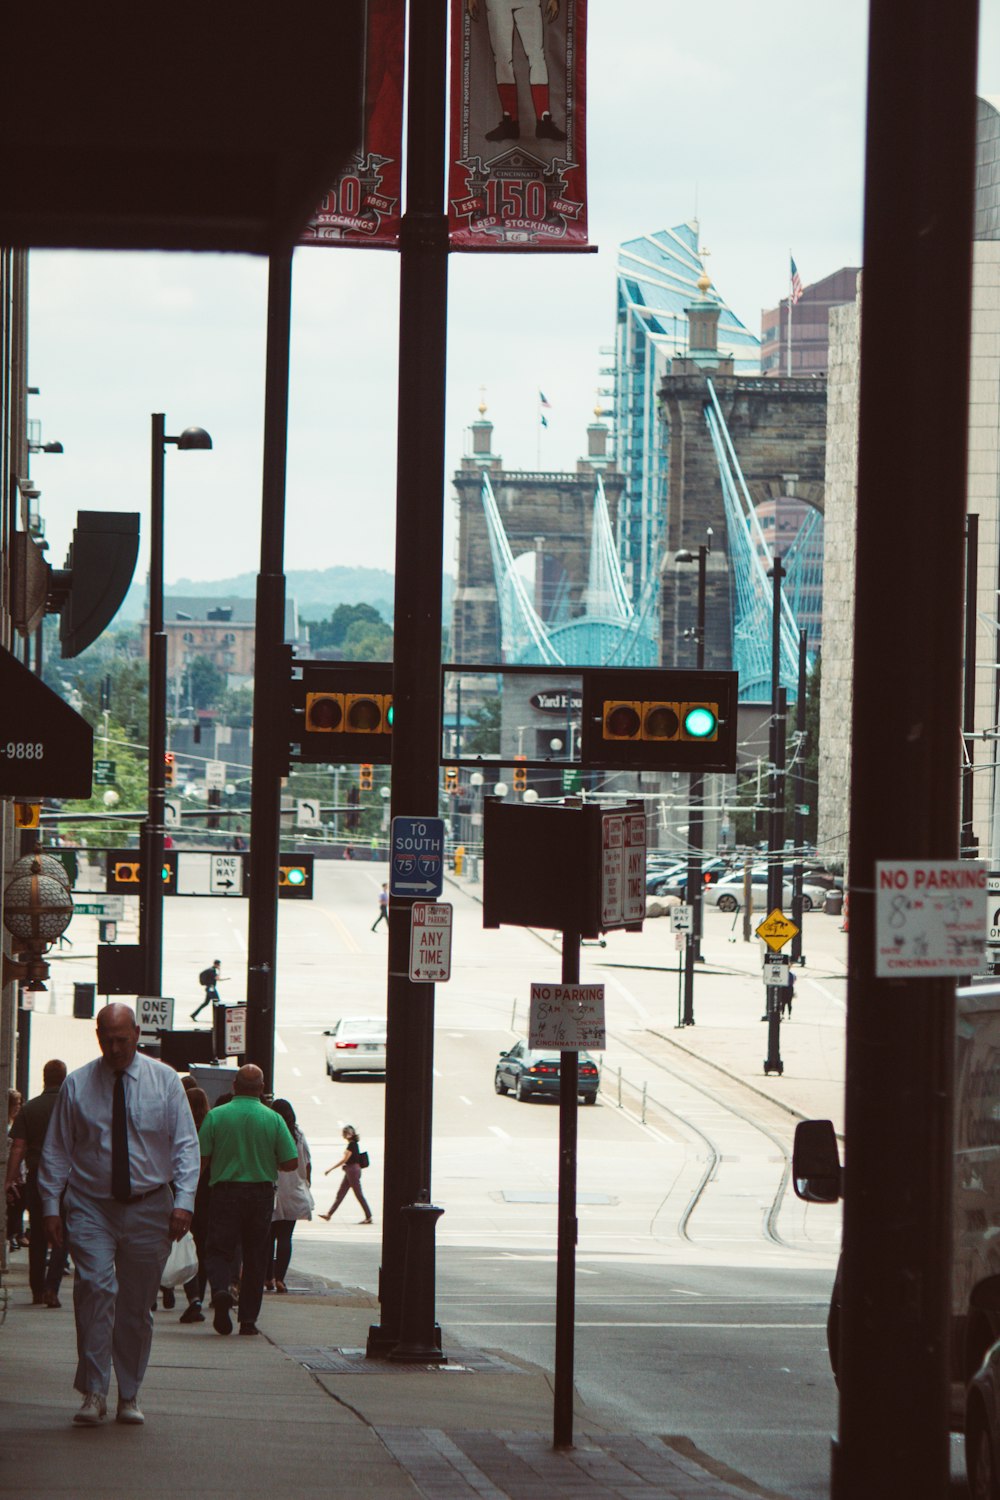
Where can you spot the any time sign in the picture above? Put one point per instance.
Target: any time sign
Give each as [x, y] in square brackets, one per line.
[430, 941]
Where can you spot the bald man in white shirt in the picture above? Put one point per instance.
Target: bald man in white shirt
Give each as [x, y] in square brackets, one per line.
[122, 1154]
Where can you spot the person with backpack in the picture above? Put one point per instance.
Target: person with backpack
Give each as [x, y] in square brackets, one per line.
[210, 978]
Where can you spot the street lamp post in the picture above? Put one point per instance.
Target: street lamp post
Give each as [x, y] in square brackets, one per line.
[696, 822]
[151, 889]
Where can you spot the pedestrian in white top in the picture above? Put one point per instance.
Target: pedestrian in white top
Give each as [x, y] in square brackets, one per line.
[122, 1154]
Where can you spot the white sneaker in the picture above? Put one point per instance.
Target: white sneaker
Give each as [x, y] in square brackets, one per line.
[93, 1411]
[129, 1413]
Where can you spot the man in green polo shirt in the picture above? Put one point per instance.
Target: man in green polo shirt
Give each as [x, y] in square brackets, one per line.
[245, 1145]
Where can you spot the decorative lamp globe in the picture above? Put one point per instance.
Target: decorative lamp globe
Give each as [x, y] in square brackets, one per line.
[51, 866]
[37, 909]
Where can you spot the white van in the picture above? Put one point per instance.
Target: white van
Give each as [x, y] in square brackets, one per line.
[975, 1281]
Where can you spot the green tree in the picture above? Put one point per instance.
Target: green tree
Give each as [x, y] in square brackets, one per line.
[484, 736]
[205, 684]
[333, 632]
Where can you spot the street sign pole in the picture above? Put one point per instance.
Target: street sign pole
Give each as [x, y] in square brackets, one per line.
[569, 1086]
[416, 734]
[270, 737]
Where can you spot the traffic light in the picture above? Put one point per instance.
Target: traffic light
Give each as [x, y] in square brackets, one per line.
[451, 780]
[348, 699]
[125, 872]
[365, 778]
[295, 877]
[27, 814]
[660, 720]
[520, 774]
[169, 768]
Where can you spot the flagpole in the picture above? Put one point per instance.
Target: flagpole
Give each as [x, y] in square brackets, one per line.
[791, 304]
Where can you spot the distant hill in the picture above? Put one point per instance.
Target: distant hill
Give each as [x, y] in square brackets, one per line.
[317, 591]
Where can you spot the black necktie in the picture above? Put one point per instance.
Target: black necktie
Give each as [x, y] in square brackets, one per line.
[121, 1180]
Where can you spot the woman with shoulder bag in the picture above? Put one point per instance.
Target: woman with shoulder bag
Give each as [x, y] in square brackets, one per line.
[351, 1164]
[293, 1201]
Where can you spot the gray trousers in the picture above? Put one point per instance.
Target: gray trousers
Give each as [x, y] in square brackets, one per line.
[119, 1251]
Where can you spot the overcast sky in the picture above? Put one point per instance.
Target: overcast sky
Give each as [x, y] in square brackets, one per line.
[749, 116]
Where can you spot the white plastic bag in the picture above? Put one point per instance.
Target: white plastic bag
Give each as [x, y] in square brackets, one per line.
[182, 1262]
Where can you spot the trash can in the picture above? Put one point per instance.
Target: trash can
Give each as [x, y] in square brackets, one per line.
[834, 903]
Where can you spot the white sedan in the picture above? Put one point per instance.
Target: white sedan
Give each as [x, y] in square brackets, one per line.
[727, 893]
[356, 1044]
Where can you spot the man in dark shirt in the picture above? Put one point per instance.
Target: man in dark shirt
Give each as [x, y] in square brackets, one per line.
[26, 1136]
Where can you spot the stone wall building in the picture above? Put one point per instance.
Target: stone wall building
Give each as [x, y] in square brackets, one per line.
[547, 517]
[778, 430]
[983, 492]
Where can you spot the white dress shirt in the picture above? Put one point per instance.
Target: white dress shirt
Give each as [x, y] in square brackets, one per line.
[162, 1141]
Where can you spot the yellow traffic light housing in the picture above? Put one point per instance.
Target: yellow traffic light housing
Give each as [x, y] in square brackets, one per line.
[451, 779]
[648, 718]
[295, 877]
[169, 768]
[520, 774]
[365, 778]
[352, 700]
[127, 872]
[27, 814]
[368, 713]
[621, 720]
[324, 713]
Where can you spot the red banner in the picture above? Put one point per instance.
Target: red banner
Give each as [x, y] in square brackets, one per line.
[363, 206]
[518, 117]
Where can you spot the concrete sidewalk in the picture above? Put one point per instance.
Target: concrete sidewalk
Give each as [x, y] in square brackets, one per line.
[301, 1412]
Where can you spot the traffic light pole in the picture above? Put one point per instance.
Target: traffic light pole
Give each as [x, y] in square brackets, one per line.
[271, 667]
[151, 888]
[776, 832]
[696, 823]
[416, 735]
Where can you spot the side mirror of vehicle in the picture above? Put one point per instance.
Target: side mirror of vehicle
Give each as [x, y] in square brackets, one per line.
[816, 1169]
[328, 1032]
[503, 1053]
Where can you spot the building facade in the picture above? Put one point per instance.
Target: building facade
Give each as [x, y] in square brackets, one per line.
[220, 630]
[657, 279]
[983, 490]
[795, 340]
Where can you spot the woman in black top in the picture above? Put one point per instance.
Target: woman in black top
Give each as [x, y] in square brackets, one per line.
[350, 1164]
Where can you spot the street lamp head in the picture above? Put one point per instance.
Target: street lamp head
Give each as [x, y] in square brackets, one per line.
[194, 437]
[555, 744]
[501, 789]
[476, 779]
[683, 556]
[531, 795]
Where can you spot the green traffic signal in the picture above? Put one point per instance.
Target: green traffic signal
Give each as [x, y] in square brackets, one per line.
[295, 876]
[700, 722]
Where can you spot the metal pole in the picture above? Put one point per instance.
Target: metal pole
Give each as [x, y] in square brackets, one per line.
[905, 762]
[799, 781]
[272, 665]
[151, 844]
[696, 823]
[776, 830]
[416, 736]
[969, 845]
[569, 1086]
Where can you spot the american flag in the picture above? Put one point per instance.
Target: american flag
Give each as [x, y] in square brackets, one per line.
[542, 401]
[796, 282]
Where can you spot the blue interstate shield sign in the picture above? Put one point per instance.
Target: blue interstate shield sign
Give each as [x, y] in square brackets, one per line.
[417, 858]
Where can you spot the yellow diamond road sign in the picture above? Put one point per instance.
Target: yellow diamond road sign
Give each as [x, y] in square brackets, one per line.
[777, 930]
